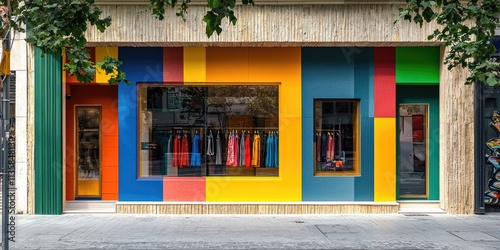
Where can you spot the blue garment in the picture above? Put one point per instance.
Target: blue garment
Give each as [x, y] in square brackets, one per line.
[323, 147]
[271, 151]
[276, 151]
[195, 154]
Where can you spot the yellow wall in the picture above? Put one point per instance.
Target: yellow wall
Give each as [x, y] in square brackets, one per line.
[384, 159]
[280, 66]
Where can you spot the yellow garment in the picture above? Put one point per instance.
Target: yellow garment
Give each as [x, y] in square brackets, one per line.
[5, 64]
[256, 151]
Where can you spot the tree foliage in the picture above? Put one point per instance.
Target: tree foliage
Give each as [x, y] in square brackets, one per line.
[467, 28]
[58, 26]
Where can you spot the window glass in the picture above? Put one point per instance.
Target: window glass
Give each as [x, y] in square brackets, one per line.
[336, 137]
[413, 128]
[208, 130]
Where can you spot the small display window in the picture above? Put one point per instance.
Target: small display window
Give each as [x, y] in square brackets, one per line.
[336, 137]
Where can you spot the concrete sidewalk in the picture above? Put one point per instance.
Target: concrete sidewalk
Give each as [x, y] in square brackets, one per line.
[396, 231]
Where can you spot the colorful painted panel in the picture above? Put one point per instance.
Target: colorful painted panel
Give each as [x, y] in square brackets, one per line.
[342, 73]
[141, 65]
[260, 66]
[385, 85]
[107, 98]
[384, 159]
[417, 65]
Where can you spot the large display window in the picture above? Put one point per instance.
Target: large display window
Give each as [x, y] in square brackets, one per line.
[336, 137]
[208, 130]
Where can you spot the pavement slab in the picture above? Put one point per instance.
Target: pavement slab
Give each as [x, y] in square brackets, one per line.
[320, 231]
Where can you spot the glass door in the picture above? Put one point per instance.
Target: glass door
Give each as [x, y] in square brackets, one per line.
[413, 148]
[88, 151]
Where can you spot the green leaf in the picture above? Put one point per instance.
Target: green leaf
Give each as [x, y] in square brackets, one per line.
[212, 4]
[492, 81]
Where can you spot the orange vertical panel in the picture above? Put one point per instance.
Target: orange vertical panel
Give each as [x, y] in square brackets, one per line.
[227, 65]
[107, 97]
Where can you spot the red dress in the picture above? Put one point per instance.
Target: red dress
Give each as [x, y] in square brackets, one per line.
[177, 150]
[184, 152]
[247, 151]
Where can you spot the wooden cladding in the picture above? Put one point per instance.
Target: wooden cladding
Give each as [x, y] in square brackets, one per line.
[214, 208]
[262, 26]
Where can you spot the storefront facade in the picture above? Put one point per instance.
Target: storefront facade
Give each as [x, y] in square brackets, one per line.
[225, 127]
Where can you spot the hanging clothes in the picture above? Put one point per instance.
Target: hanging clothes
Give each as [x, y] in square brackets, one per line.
[195, 151]
[184, 152]
[263, 150]
[318, 147]
[236, 145]
[276, 151]
[164, 152]
[269, 151]
[242, 150]
[323, 147]
[218, 149]
[210, 144]
[256, 150]
[170, 150]
[230, 150]
[247, 151]
[329, 148]
[177, 151]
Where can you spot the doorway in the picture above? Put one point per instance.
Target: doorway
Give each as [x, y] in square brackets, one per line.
[413, 156]
[88, 152]
[417, 142]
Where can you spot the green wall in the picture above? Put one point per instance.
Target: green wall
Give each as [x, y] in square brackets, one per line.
[417, 65]
[48, 134]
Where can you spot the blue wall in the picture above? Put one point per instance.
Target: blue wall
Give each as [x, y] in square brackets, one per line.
[337, 73]
[141, 65]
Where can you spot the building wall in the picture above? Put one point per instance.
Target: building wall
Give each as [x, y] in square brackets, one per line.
[310, 25]
[304, 74]
[258, 26]
[19, 65]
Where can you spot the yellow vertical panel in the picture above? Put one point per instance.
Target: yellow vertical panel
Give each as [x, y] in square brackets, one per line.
[280, 66]
[384, 159]
[100, 53]
[227, 65]
[194, 66]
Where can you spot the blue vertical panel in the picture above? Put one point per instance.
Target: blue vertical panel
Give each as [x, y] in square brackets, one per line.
[364, 183]
[140, 65]
[363, 89]
[326, 73]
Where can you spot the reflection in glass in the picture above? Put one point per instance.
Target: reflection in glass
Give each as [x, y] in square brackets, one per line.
[88, 121]
[208, 130]
[412, 150]
[336, 136]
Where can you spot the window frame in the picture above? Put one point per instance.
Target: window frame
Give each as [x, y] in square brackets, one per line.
[356, 114]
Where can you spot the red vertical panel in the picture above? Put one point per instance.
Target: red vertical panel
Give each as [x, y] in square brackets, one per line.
[72, 79]
[173, 69]
[385, 82]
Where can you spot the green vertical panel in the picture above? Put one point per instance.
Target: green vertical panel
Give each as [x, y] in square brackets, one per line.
[48, 134]
[417, 65]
